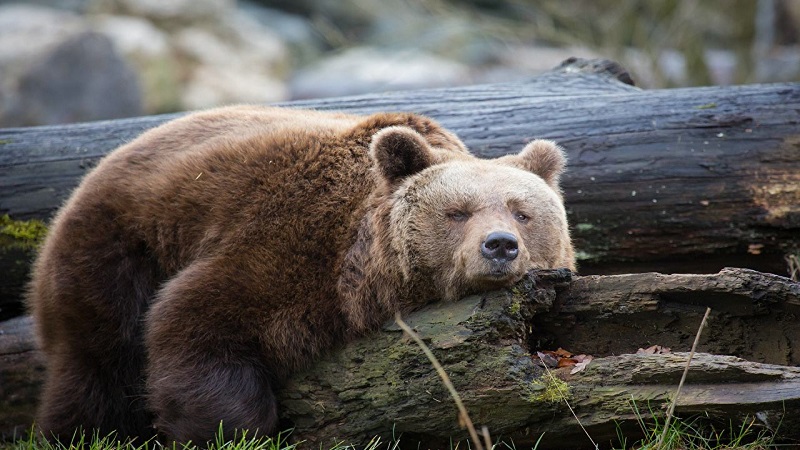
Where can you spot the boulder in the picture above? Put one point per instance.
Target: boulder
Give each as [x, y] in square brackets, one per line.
[369, 69]
[172, 12]
[150, 51]
[77, 6]
[214, 56]
[305, 41]
[237, 61]
[213, 86]
[55, 69]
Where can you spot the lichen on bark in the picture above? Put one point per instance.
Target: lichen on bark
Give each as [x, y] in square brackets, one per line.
[21, 234]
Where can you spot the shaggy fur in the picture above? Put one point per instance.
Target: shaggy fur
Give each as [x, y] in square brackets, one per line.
[198, 266]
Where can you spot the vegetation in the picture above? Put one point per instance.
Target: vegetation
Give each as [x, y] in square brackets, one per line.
[692, 434]
[25, 234]
[698, 434]
[241, 442]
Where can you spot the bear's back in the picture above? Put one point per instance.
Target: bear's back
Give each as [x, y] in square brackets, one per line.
[230, 177]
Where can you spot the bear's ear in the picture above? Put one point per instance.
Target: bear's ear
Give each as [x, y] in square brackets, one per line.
[544, 158]
[400, 152]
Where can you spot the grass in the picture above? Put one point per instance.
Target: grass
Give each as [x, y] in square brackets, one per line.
[697, 433]
[239, 442]
[690, 434]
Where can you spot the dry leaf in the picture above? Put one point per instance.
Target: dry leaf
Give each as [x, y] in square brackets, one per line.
[563, 358]
[563, 353]
[581, 365]
[566, 362]
[653, 350]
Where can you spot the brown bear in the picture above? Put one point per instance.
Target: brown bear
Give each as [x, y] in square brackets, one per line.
[198, 266]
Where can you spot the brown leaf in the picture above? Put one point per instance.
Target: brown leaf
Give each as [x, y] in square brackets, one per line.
[566, 362]
[653, 350]
[563, 353]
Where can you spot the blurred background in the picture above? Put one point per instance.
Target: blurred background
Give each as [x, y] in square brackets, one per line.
[67, 61]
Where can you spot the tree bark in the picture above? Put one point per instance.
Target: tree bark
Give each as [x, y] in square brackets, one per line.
[21, 376]
[383, 384]
[674, 180]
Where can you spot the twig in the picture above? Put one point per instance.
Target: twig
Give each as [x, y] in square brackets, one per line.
[683, 379]
[464, 417]
[487, 438]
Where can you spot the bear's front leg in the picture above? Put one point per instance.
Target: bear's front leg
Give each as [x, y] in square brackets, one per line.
[205, 364]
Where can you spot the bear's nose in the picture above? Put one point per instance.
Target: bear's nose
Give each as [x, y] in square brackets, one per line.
[500, 246]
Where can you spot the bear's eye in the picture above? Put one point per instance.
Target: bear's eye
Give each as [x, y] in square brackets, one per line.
[521, 217]
[458, 216]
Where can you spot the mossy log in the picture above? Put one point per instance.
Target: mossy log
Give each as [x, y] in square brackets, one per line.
[383, 384]
[681, 180]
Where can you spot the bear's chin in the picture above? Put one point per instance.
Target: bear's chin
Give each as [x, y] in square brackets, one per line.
[464, 284]
[498, 280]
[497, 277]
[500, 272]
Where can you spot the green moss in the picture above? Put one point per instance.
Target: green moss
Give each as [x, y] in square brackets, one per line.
[5, 141]
[25, 234]
[549, 389]
[515, 306]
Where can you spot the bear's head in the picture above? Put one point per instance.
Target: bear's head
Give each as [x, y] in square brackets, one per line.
[464, 224]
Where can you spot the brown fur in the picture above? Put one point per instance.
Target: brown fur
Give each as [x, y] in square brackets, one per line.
[198, 266]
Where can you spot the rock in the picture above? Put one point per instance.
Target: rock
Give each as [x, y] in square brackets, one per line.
[77, 6]
[80, 80]
[25, 30]
[258, 46]
[167, 12]
[452, 36]
[367, 69]
[134, 35]
[350, 15]
[236, 62]
[213, 86]
[149, 50]
[55, 69]
[305, 42]
[215, 56]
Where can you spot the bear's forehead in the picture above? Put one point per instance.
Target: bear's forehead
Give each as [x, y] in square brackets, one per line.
[489, 174]
[481, 180]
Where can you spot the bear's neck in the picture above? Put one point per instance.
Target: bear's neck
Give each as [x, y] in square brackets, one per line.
[375, 281]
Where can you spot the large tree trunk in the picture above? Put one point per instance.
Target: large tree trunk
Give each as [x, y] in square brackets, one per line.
[383, 383]
[686, 180]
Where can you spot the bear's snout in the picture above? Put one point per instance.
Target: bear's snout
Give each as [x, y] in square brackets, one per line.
[500, 247]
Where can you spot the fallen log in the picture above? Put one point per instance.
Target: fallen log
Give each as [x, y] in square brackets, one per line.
[673, 180]
[383, 384]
